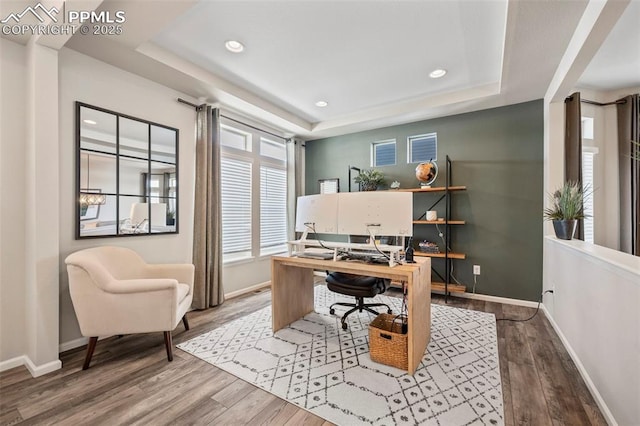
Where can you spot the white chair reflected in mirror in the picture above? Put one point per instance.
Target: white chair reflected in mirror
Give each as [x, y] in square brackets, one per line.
[138, 221]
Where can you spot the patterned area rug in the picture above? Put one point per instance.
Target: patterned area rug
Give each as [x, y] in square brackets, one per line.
[316, 365]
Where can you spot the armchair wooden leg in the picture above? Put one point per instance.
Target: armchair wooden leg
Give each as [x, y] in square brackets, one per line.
[185, 322]
[91, 346]
[169, 344]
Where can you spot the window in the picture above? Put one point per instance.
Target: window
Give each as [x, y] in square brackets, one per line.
[588, 157]
[236, 208]
[254, 193]
[587, 128]
[422, 148]
[383, 153]
[269, 148]
[234, 138]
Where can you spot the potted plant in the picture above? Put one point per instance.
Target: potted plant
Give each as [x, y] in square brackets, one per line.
[171, 218]
[369, 179]
[567, 207]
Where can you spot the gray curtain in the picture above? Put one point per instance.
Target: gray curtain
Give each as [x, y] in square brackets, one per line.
[295, 170]
[573, 146]
[629, 169]
[207, 221]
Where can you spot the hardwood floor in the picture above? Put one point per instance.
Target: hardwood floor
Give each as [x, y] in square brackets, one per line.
[131, 382]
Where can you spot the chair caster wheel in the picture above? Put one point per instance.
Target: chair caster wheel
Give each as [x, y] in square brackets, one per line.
[332, 311]
[344, 325]
[389, 311]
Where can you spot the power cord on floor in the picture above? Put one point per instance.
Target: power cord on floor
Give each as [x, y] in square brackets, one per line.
[532, 316]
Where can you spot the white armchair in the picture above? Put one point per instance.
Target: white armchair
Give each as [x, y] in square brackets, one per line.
[115, 292]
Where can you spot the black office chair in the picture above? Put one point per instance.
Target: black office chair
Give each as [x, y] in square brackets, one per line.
[358, 286]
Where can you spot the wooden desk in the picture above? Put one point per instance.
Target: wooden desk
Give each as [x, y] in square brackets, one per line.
[292, 293]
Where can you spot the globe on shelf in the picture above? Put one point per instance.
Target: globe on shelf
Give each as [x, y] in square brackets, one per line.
[427, 173]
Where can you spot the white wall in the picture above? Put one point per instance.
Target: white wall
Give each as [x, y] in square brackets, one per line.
[96, 83]
[242, 275]
[26, 305]
[595, 310]
[13, 70]
[41, 210]
[595, 302]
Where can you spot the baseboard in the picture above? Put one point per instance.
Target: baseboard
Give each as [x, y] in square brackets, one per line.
[35, 370]
[76, 343]
[484, 297]
[583, 371]
[496, 299]
[40, 370]
[250, 289]
[12, 363]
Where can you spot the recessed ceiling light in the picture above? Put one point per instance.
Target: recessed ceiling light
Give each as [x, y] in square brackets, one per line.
[437, 73]
[234, 46]
[322, 104]
[90, 122]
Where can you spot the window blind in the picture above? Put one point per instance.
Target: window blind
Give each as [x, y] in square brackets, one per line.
[422, 148]
[235, 177]
[587, 183]
[384, 153]
[273, 209]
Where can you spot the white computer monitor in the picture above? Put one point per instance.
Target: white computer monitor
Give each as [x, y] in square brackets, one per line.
[317, 213]
[375, 213]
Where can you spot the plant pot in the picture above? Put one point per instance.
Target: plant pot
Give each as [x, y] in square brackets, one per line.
[369, 187]
[565, 228]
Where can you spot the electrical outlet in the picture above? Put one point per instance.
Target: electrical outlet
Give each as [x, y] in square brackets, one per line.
[476, 269]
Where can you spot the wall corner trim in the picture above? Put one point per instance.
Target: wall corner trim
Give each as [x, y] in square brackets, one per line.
[35, 370]
[583, 371]
[40, 370]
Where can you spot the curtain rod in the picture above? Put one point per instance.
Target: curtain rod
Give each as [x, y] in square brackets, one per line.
[619, 101]
[182, 101]
[587, 101]
[253, 127]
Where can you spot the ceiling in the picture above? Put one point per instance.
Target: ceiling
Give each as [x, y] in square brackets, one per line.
[616, 65]
[354, 57]
[369, 60]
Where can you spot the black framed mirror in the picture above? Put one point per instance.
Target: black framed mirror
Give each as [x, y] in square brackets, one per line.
[126, 175]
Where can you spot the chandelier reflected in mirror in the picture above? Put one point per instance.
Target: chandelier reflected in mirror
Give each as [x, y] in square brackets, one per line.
[88, 198]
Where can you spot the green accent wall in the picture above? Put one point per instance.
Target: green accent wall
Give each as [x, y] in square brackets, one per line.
[498, 155]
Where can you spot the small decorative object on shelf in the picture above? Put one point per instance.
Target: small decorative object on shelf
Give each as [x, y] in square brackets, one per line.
[394, 185]
[427, 173]
[428, 247]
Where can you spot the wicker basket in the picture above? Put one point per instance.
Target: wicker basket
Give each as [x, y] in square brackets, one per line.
[387, 344]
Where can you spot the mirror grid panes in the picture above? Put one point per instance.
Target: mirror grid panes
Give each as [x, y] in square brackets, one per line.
[127, 175]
